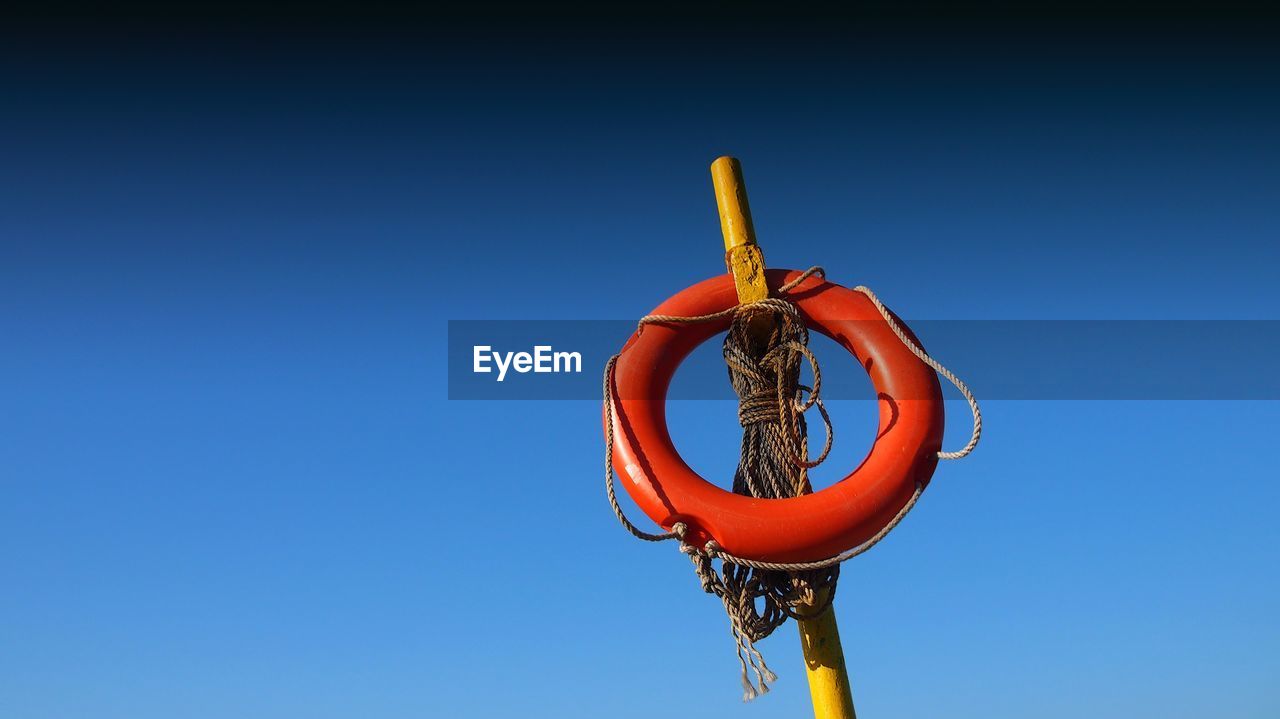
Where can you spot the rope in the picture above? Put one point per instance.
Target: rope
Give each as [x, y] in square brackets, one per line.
[773, 464]
[937, 367]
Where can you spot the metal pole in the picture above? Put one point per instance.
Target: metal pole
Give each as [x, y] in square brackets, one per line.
[819, 636]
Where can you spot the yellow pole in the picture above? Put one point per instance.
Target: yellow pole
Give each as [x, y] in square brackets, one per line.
[824, 661]
[741, 253]
[819, 636]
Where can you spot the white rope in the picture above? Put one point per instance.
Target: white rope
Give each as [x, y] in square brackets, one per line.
[937, 367]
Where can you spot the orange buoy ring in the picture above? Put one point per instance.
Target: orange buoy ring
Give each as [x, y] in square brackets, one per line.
[810, 527]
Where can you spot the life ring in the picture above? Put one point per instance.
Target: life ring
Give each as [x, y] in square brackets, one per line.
[810, 527]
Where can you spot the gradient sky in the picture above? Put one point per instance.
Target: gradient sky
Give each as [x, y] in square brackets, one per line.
[231, 483]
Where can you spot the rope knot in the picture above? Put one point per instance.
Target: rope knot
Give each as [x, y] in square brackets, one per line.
[758, 408]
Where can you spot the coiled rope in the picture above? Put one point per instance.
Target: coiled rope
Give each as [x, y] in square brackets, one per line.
[774, 464]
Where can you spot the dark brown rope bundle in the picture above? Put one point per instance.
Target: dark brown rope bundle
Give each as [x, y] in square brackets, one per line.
[764, 369]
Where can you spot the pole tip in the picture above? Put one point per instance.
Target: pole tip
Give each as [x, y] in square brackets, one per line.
[726, 162]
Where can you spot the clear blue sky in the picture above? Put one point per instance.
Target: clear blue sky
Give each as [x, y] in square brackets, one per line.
[231, 483]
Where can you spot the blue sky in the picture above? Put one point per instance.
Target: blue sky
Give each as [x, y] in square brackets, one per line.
[231, 482]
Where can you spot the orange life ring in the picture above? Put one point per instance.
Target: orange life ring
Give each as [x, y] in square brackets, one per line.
[799, 529]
